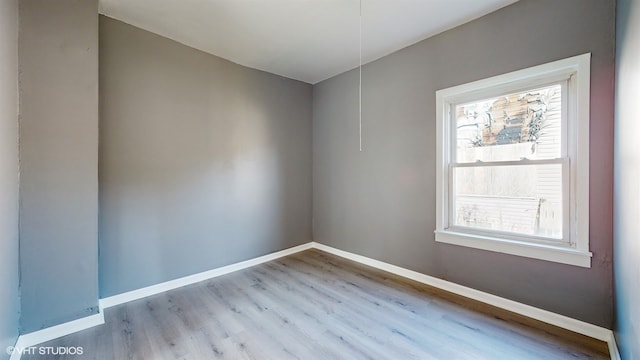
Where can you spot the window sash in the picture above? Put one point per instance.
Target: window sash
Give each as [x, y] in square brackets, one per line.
[507, 235]
[563, 81]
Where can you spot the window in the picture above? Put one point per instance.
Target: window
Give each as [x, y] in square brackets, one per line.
[513, 163]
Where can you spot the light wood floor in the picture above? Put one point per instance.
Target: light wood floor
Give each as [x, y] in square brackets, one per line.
[313, 305]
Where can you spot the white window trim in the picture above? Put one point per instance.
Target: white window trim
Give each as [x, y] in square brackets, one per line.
[577, 69]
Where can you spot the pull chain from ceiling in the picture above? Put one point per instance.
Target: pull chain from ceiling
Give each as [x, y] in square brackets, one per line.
[360, 80]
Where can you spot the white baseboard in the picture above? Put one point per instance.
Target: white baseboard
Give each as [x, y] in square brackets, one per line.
[548, 317]
[41, 336]
[192, 279]
[613, 348]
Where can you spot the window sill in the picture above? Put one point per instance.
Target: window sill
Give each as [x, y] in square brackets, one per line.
[535, 251]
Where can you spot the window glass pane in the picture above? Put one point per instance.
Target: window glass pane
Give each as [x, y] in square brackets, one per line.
[511, 127]
[523, 199]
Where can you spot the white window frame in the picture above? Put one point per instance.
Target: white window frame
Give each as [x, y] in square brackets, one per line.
[574, 250]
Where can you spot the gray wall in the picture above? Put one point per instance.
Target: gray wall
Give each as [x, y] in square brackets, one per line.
[627, 173]
[381, 202]
[203, 162]
[9, 301]
[58, 49]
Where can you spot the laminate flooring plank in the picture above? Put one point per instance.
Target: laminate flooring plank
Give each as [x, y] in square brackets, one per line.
[295, 323]
[264, 339]
[334, 314]
[389, 315]
[297, 309]
[314, 305]
[371, 319]
[309, 311]
[207, 337]
[498, 327]
[129, 333]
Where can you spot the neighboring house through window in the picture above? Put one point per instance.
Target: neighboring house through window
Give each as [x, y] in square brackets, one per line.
[513, 163]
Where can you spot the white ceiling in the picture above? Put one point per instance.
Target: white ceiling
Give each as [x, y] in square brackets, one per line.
[308, 40]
